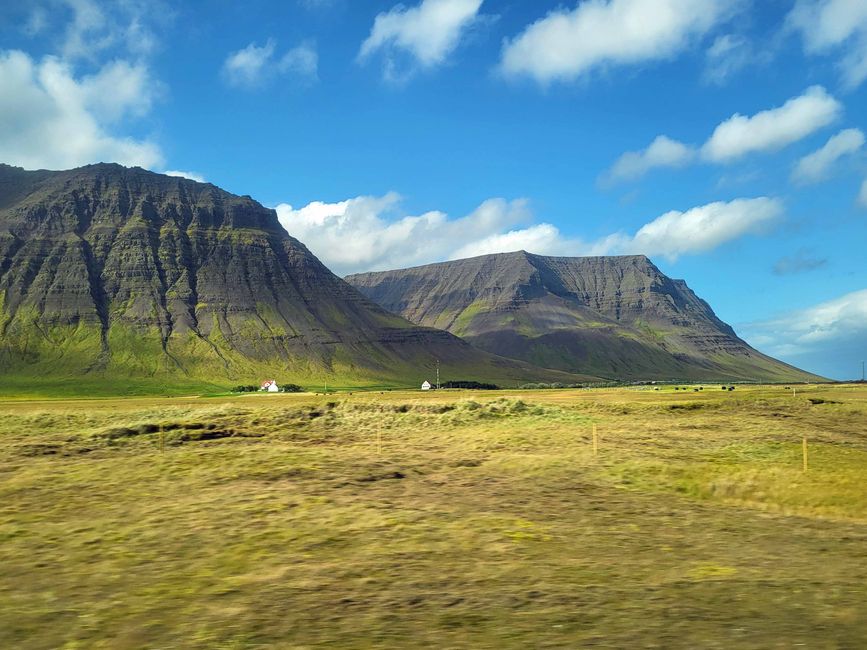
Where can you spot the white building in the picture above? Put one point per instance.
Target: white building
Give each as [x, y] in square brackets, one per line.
[426, 385]
[270, 386]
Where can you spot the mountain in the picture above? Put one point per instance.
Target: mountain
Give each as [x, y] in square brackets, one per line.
[122, 276]
[617, 317]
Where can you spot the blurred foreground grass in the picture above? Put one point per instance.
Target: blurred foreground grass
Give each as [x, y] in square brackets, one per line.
[455, 519]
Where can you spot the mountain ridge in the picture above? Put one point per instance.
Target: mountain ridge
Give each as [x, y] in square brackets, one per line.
[120, 272]
[613, 316]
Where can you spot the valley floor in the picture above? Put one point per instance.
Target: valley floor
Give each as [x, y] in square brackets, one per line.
[450, 519]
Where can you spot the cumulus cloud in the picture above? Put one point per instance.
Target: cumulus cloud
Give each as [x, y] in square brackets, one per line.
[662, 152]
[835, 26]
[193, 176]
[428, 33]
[815, 167]
[248, 66]
[371, 233]
[774, 128]
[368, 232]
[741, 135]
[811, 329]
[119, 90]
[704, 228]
[253, 65]
[49, 118]
[567, 44]
[543, 238]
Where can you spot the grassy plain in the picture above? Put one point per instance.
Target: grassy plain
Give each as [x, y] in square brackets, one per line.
[450, 519]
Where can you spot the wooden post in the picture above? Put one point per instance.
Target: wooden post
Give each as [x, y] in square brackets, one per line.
[595, 442]
[804, 446]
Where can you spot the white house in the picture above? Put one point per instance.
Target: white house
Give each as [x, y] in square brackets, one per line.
[270, 386]
[426, 385]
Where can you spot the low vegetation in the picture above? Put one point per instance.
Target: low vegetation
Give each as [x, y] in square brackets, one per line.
[470, 385]
[438, 519]
[284, 387]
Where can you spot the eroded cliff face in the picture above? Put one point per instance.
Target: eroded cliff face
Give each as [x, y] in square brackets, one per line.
[610, 316]
[106, 267]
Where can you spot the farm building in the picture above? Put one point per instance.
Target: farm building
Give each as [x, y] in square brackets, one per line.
[426, 385]
[270, 386]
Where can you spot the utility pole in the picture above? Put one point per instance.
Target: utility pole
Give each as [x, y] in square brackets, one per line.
[438, 374]
[326, 384]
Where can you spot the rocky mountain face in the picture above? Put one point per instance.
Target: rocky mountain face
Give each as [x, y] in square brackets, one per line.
[119, 272]
[617, 317]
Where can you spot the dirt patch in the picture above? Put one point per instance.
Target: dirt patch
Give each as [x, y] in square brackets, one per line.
[214, 434]
[386, 476]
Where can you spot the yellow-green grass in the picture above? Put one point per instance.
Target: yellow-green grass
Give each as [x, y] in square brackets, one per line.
[449, 519]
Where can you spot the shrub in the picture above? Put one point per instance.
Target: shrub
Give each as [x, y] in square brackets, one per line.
[474, 385]
[290, 388]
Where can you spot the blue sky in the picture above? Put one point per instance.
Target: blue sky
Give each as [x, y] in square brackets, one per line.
[725, 139]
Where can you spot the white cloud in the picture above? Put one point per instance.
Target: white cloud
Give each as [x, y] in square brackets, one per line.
[543, 238]
[428, 32]
[829, 26]
[87, 33]
[193, 176]
[49, 118]
[96, 27]
[662, 152]
[567, 44]
[120, 90]
[862, 195]
[816, 166]
[370, 233]
[253, 65]
[302, 60]
[774, 128]
[728, 55]
[248, 67]
[740, 135]
[807, 329]
[704, 228]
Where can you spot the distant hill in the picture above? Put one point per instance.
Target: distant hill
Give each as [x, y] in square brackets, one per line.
[112, 274]
[617, 317]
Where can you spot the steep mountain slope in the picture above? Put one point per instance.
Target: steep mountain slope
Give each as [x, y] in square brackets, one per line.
[115, 273]
[618, 317]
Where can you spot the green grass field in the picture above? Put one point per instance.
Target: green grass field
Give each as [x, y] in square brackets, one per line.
[456, 519]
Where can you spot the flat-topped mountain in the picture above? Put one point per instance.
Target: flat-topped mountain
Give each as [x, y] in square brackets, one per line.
[617, 317]
[112, 272]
